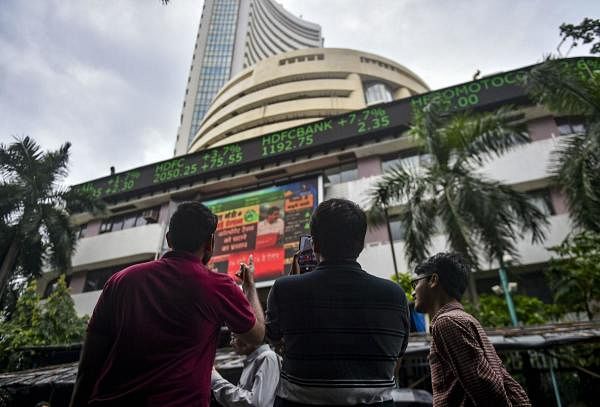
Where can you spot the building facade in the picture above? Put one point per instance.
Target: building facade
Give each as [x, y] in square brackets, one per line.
[349, 151]
[233, 35]
[299, 87]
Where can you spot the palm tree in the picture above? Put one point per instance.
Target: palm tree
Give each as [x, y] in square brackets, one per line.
[34, 210]
[478, 215]
[574, 90]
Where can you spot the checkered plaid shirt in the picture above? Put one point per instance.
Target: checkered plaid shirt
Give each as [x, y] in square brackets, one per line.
[465, 369]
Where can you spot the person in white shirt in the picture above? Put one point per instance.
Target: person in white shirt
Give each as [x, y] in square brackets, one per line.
[258, 381]
[272, 223]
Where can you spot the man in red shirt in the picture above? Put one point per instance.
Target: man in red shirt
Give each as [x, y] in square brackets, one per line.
[152, 338]
[465, 369]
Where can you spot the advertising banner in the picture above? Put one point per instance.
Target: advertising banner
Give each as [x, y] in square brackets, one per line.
[266, 223]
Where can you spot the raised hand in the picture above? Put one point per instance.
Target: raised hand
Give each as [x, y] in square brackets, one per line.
[246, 274]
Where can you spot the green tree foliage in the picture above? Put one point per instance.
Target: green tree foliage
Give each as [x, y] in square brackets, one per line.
[405, 284]
[574, 90]
[575, 274]
[60, 323]
[35, 228]
[492, 311]
[586, 32]
[37, 323]
[478, 215]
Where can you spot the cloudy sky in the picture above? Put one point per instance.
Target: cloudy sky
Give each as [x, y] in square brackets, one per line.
[109, 76]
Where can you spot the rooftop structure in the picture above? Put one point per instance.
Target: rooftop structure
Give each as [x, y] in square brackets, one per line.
[299, 87]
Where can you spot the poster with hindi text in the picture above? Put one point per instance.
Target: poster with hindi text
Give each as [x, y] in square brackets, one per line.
[266, 223]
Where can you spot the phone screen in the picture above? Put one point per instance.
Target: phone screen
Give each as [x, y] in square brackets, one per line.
[306, 256]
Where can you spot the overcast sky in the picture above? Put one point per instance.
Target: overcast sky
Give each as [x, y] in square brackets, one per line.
[109, 76]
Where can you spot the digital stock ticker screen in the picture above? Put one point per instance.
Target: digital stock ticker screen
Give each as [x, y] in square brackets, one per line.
[343, 130]
[290, 142]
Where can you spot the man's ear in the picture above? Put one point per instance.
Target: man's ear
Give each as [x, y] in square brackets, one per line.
[434, 280]
[169, 240]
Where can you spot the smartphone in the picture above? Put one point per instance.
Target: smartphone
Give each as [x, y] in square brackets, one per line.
[307, 261]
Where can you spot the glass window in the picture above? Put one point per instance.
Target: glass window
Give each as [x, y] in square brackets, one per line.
[82, 230]
[117, 224]
[397, 229]
[343, 173]
[348, 174]
[570, 125]
[406, 160]
[216, 61]
[332, 178]
[52, 284]
[399, 232]
[376, 92]
[106, 226]
[129, 220]
[564, 129]
[140, 221]
[95, 279]
[542, 200]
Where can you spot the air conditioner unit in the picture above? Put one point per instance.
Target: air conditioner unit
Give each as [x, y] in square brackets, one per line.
[150, 215]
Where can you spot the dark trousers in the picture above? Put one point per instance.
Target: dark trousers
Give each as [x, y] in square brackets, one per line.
[279, 402]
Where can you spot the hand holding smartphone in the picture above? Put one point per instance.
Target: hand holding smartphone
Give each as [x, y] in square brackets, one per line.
[246, 273]
[306, 259]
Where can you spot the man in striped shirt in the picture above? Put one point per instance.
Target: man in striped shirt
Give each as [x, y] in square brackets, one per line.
[465, 369]
[343, 329]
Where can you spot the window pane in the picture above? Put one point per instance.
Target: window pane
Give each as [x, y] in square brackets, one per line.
[82, 230]
[129, 221]
[564, 129]
[541, 199]
[570, 125]
[343, 173]
[140, 221]
[117, 224]
[377, 93]
[410, 161]
[106, 226]
[398, 231]
[95, 279]
[349, 175]
[388, 165]
[332, 178]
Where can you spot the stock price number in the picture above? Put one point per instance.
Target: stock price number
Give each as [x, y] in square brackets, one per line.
[366, 120]
[121, 183]
[289, 140]
[91, 190]
[173, 169]
[221, 157]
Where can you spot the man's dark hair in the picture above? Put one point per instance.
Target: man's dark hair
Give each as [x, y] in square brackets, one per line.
[272, 210]
[339, 227]
[452, 269]
[191, 226]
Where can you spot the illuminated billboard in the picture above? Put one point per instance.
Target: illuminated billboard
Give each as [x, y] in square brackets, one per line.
[266, 223]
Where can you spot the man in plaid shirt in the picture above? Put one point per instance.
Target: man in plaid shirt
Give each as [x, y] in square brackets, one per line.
[465, 369]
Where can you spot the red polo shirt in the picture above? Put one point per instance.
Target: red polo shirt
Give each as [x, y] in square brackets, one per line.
[163, 319]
